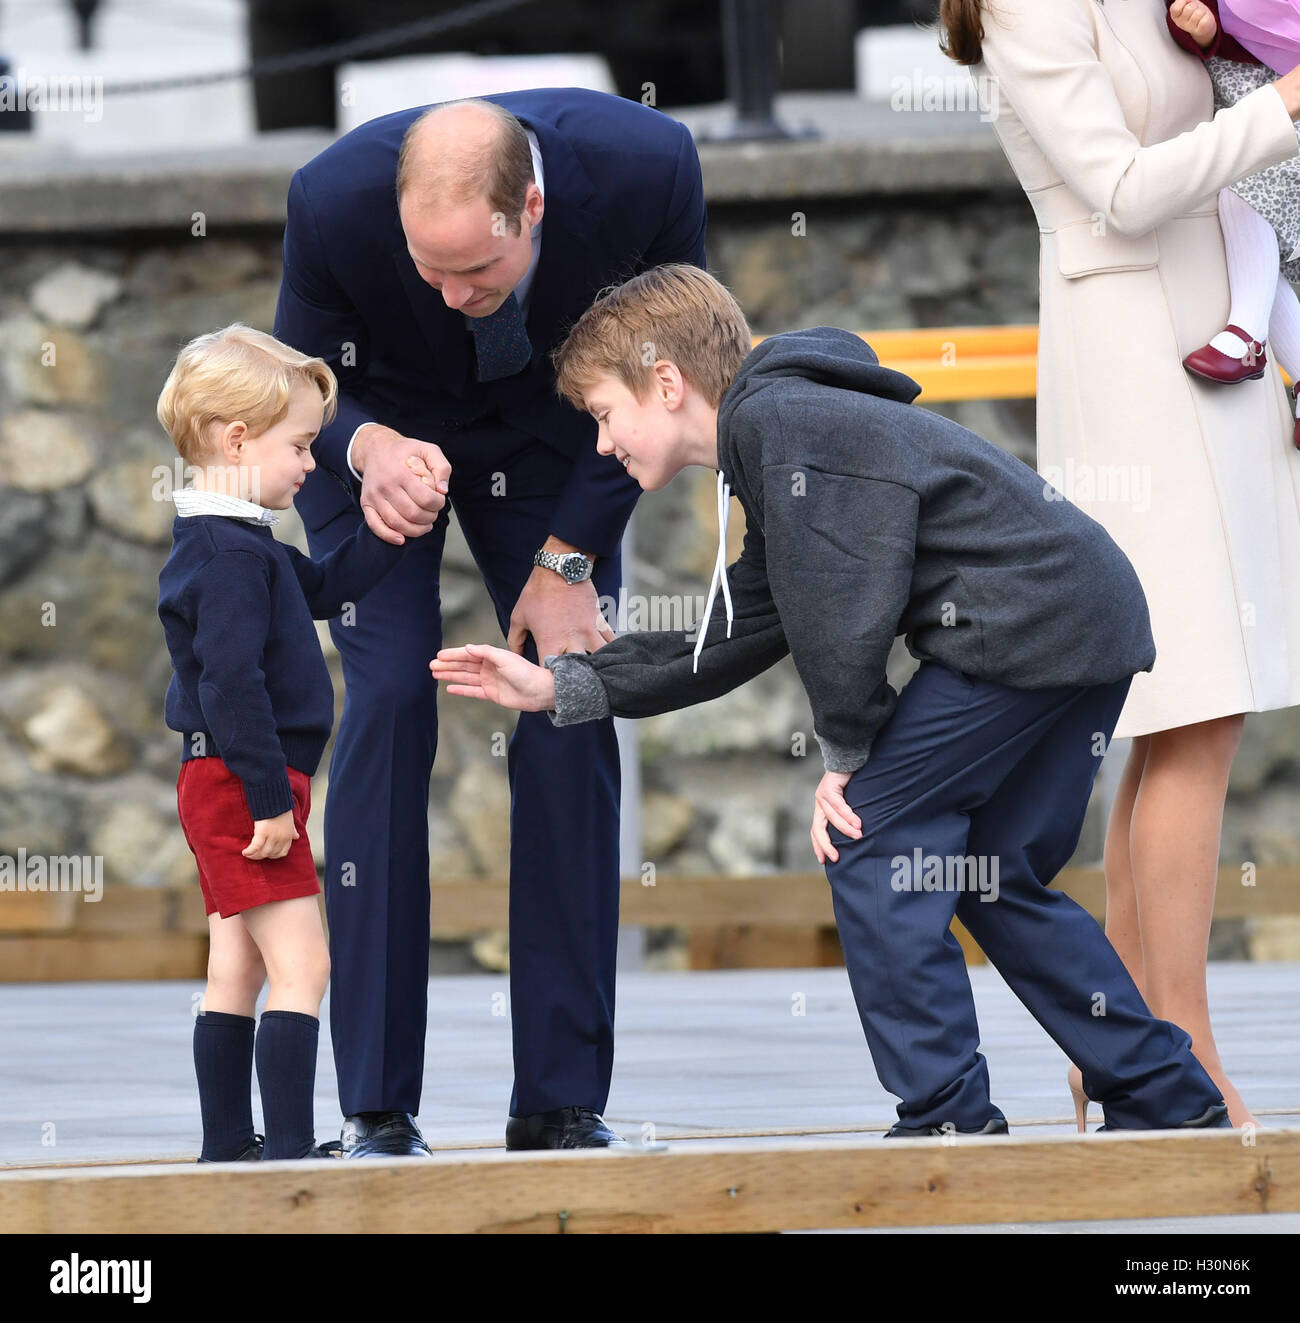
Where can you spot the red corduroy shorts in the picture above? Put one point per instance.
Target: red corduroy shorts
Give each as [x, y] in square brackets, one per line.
[218, 827]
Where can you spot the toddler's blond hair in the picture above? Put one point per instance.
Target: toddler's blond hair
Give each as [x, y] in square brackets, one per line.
[676, 312]
[236, 374]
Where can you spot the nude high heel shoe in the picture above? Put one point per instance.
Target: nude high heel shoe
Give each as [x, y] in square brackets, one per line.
[1074, 1078]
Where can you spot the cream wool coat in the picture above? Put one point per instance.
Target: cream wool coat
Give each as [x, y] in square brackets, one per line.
[1111, 130]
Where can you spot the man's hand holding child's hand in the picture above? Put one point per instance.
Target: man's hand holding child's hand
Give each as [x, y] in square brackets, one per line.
[829, 805]
[1195, 19]
[397, 498]
[272, 837]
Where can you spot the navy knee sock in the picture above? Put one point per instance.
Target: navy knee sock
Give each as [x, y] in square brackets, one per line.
[286, 1075]
[223, 1065]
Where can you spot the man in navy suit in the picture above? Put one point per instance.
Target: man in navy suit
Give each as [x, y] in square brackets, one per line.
[433, 258]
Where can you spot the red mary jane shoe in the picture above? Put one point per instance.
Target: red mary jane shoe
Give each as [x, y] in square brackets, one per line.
[1209, 363]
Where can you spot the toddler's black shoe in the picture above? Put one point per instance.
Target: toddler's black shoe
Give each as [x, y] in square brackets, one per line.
[251, 1153]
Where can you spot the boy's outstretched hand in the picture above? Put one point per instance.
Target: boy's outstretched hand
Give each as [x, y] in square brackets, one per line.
[496, 674]
[829, 805]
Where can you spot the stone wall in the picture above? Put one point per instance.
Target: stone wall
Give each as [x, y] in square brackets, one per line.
[89, 323]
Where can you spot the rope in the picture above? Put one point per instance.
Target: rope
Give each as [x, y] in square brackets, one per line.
[337, 52]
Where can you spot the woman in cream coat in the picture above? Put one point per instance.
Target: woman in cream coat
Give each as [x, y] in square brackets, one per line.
[1111, 130]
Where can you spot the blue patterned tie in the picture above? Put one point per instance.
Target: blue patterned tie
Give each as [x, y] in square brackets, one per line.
[501, 341]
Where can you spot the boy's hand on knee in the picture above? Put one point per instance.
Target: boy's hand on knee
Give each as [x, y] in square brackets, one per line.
[830, 806]
[272, 837]
[1195, 18]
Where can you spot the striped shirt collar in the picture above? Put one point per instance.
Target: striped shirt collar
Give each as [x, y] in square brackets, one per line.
[190, 501]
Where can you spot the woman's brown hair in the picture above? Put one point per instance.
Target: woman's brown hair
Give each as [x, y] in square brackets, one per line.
[963, 24]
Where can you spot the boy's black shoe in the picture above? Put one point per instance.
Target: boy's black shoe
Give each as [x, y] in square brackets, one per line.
[383, 1135]
[251, 1153]
[565, 1127]
[995, 1125]
[1214, 1117]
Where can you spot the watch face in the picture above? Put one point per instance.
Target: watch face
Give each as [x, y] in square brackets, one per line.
[574, 567]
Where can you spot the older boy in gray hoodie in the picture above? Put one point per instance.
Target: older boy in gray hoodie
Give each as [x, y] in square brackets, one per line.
[866, 518]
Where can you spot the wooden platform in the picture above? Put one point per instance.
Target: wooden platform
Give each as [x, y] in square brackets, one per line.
[745, 1092]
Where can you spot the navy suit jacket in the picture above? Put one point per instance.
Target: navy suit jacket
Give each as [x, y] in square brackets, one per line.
[622, 193]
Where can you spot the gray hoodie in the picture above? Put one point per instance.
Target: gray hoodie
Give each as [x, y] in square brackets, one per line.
[868, 517]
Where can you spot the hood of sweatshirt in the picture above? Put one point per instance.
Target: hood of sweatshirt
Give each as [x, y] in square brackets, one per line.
[826, 355]
[823, 354]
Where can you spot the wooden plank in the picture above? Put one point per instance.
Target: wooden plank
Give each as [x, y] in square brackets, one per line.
[131, 911]
[58, 959]
[746, 922]
[38, 911]
[748, 1186]
[762, 946]
[1275, 891]
[465, 905]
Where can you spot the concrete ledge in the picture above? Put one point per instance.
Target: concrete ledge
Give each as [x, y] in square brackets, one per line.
[862, 151]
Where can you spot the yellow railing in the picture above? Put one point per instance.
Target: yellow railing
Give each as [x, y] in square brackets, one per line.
[962, 362]
[952, 363]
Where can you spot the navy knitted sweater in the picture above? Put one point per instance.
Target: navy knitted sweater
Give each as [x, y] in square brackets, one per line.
[250, 683]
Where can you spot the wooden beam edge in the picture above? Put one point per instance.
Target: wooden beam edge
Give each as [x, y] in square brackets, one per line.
[724, 1186]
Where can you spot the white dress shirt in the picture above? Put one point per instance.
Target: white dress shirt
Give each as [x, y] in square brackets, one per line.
[526, 281]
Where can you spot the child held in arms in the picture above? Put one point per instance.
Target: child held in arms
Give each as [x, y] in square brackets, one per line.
[868, 517]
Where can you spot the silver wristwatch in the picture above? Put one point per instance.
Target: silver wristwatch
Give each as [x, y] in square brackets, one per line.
[572, 565]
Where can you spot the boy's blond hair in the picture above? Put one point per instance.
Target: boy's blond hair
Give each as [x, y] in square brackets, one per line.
[675, 312]
[237, 374]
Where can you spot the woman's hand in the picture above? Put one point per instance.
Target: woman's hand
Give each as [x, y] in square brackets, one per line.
[1196, 19]
[1288, 88]
[497, 675]
[829, 805]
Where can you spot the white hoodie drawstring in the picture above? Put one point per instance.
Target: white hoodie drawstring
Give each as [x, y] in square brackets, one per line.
[719, 570]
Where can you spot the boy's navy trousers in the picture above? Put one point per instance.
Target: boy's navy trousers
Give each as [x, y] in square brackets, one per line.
[991, 782]
[564, 813]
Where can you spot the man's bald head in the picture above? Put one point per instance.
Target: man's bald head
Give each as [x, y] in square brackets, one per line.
[461, 151]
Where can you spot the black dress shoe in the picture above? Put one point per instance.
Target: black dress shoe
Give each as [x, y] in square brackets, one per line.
[1214, 1117]
[565, 1127]
[995, 1125]
[383, 1135]
[252, 1152]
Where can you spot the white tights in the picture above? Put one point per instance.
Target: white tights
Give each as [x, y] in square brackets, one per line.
[1264, 305]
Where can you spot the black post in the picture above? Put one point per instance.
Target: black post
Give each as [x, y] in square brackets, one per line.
[85, 11]
[750, 53]
[13, 121]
